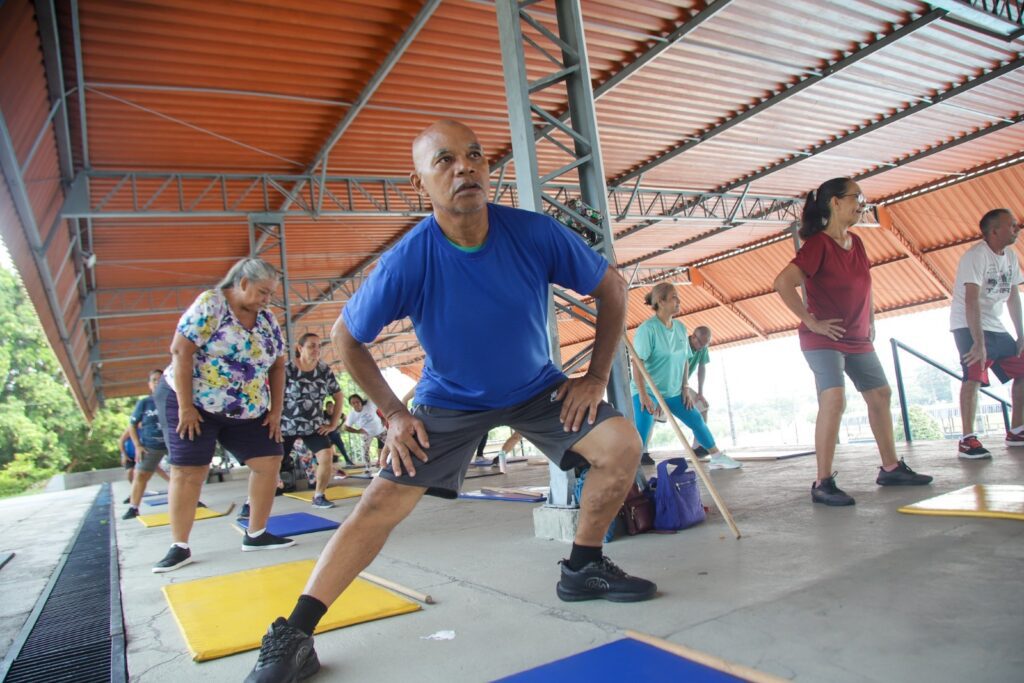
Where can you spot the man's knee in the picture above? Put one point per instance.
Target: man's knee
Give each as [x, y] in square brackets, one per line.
[614, 443]
[385, 500]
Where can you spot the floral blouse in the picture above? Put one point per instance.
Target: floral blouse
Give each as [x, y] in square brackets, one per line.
[232, 363]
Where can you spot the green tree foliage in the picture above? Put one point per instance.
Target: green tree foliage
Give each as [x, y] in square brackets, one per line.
[42, 431]
[923, 426]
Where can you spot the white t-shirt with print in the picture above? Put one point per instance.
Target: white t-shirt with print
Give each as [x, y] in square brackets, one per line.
[995, 274]
[365, 419]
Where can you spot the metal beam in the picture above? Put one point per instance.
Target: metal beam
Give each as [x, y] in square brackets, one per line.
[942, 147]
[321, 158]
[660, 47]
[795, 204]
[865, 50]
[23, 207]
[941, 183]
[699, 278]
[910, 248]
[76, 32]
[953, 91]
[46, 18]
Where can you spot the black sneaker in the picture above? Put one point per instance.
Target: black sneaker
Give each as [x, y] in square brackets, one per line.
[646, 459]
[322, 502]
[700, 451]
[286, 654]
[127, 500]
[602, 580]
[176, 558]
[902, 476]
[244, 512]
[265, 541]
[200, 504]
[828, 493]
[131, 513]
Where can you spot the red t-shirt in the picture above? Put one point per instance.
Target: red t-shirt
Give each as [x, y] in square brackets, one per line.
[838, 285]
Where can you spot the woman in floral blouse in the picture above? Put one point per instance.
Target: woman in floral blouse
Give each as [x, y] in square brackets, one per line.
[228, 358]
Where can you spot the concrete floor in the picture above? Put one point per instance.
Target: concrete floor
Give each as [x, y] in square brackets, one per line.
[809, 593]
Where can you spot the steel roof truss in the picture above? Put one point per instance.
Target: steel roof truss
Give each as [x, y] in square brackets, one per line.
[816, 76]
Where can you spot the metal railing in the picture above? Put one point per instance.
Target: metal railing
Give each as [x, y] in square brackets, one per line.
[904, 410]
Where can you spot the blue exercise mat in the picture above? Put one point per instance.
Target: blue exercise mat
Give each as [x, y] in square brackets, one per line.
[294, 524]
[155, 500]
[623, 660]
[154, 493]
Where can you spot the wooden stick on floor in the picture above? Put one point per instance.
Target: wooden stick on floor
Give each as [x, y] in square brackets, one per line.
[397, 587]
[737, 670]
[698, 466]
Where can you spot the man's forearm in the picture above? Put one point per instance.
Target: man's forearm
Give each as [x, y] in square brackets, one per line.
[700, 379]
[1013, 306]
[611, 316]
[364, 371]
[973, 312]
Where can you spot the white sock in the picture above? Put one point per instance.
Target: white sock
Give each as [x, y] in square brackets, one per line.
[1018, 430]
[967, 436]
[183, 546]
[257, 533]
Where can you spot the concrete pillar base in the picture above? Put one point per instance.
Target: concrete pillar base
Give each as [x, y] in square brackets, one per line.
[555, 523]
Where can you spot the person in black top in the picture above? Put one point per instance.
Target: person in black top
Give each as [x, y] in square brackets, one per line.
[309, 382]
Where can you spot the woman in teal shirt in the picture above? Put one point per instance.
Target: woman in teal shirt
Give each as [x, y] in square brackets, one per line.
[661, 342]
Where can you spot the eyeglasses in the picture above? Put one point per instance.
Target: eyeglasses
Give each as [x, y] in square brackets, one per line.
[860, 197]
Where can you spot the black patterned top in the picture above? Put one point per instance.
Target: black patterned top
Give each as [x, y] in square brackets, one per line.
[304, 396]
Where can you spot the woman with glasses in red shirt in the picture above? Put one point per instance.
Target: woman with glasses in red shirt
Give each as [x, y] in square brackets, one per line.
[837, 331]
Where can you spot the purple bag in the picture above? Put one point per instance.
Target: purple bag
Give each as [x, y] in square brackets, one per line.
[676, 497]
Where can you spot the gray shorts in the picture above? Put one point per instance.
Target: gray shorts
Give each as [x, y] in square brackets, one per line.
[150, 459]
[863, 368]
[454, 435]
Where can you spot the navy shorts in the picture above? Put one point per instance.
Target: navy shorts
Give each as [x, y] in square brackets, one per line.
[244, 438]
[314, 442]
[455, 434]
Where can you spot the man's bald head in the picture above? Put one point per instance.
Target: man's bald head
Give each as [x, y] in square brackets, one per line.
[437, 136]
[451, 169]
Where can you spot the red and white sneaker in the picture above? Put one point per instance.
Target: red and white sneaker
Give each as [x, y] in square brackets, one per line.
[1014, 439]
[971, 449]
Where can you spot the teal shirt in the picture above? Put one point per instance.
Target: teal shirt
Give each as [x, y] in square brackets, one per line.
[698, 358]
[664, 353]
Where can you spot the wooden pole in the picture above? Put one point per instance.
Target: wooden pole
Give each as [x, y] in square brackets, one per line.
[737, 670]
[698, 466]
[397, 587]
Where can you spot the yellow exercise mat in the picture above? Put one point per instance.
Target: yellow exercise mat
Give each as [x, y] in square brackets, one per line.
[332, 493]
[1001, 501]
[222, 615]
[164, 518]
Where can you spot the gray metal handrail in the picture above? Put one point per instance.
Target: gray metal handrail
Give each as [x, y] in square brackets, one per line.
[896, 346]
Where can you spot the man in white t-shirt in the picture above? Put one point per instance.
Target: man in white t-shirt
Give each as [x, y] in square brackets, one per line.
[987, 277]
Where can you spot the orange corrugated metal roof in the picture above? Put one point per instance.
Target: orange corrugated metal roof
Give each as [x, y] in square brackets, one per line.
[188, 86]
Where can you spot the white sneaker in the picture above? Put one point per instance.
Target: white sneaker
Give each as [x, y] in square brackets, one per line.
[721, 461]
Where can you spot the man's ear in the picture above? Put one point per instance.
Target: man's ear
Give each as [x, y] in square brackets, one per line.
[417, 183]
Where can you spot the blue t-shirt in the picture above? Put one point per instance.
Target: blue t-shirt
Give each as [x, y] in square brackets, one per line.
[147, 424]
[481, 317]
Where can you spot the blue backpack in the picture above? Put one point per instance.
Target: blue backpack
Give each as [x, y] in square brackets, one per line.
[676, 497]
